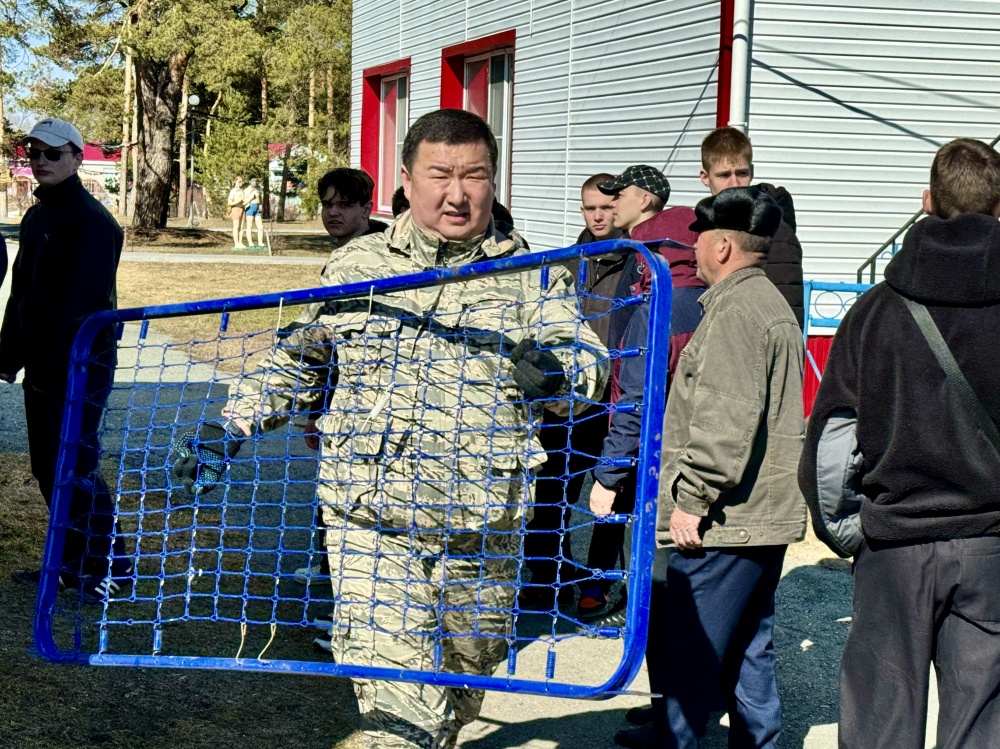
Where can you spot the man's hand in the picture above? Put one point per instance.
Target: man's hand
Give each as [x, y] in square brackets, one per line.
[537, 372]
[312, 434]
[684, 530]
[601, 499]
[200, 458]
[8, 377]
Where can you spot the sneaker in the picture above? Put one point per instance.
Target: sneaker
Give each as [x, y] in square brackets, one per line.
[305, 574]
[640, 716]
[96, 589]
[324, 642]
[590, 609]
[322, 621]
[640, 737]
[33, 577]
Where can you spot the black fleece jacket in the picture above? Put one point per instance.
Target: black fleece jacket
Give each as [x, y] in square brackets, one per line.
[784, 262]
[65, 270]
[928, 472]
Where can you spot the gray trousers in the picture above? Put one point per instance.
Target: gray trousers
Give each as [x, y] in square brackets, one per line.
[915, 605]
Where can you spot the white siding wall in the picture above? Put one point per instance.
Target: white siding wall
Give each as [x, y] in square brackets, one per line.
[849, 102]
[598, 85]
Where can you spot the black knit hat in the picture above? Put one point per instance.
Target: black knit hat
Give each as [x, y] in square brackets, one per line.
[647, 178]
[746, 209]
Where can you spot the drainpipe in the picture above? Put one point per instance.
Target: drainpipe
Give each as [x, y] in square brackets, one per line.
[740, 86]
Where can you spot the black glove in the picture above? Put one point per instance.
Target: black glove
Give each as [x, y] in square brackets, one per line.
[537, 372]
[200, 459]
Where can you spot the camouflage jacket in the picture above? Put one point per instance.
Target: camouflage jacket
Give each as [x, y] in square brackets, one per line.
[423, 425]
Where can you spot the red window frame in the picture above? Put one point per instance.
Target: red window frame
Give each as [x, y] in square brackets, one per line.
[453, 64]
[371, 115]
[454, 95]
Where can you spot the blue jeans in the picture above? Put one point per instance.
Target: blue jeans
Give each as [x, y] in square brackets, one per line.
[710, 645]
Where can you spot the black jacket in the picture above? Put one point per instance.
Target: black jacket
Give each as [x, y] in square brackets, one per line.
[65, 270]
[888, 435]
[784, 261]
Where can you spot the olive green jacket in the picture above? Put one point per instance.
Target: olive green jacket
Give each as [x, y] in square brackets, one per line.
[733, 430]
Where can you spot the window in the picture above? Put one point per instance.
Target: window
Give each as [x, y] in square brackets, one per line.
[478, 76]
[394, 112]
[488, 94]
[385, 117]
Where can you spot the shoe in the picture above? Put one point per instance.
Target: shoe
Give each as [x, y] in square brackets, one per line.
[305, 574]
[96, 589]
[324, 642]
[640, 716]
[323, 621]
[33, 577]
[640, 737]
[590, 609]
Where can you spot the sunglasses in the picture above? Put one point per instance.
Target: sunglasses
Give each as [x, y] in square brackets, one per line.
[51, 154]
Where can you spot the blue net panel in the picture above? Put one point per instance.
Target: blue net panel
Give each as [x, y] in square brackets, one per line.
[439, 534]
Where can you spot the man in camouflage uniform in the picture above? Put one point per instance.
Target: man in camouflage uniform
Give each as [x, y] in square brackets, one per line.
[426, 457]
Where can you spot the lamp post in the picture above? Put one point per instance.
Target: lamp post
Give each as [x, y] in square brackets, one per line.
[193, 101]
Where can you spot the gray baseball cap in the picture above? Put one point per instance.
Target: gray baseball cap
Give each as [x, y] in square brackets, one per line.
[55, 132]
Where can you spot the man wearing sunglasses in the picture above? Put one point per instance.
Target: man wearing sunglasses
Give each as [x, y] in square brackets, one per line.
[65, 270]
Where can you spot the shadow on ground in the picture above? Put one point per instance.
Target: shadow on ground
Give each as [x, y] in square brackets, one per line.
[809, 641]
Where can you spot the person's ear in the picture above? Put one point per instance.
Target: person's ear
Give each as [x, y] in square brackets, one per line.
[703, 176]
[647, 200]
[407, 181]
[928, 203]
[366, 210]
[724, 249]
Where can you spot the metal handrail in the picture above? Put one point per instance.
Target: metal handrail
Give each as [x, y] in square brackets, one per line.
[870, 262]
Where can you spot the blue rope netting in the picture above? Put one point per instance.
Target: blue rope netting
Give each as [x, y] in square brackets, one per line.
[432, 462]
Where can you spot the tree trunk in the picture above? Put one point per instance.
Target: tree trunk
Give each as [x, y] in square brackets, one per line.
[4, 183]
[312, 108]
[182, 159]
[135, 147]
[329, 109]
[285, 174]
[127, 137]
[159, 86]
[266, 187]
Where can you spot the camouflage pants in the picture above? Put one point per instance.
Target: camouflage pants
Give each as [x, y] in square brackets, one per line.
[399, 597]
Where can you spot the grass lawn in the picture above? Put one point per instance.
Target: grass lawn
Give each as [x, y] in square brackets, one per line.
[141, 284]
[205, 242]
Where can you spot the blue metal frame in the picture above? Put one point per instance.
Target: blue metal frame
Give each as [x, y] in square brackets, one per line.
[643, 541]
[808, 287]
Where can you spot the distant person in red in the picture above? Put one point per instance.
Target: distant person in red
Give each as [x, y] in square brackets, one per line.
[65, 270]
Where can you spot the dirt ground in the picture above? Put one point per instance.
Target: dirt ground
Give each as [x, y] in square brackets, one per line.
[49, 706]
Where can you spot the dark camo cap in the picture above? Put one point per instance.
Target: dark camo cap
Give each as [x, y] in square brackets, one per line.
[746, 209]
[645, 177]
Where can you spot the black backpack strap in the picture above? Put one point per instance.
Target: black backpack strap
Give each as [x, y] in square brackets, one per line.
[951, 370]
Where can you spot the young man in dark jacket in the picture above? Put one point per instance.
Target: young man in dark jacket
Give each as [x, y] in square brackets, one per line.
[727, 161]
[899, 473]
[560, 480]
[614, 486]
[65, 270]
